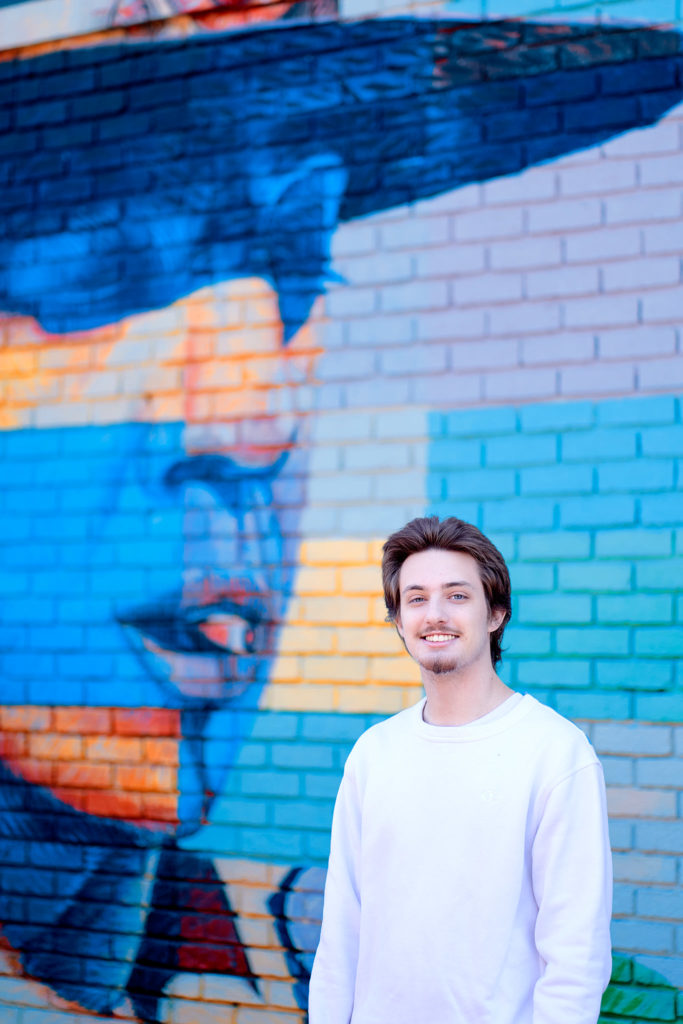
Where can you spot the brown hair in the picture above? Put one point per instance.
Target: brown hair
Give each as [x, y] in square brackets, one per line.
[449, 534]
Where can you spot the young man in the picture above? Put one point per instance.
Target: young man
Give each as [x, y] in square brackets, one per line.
[470, 872]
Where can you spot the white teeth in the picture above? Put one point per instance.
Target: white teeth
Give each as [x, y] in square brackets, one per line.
[438, 637]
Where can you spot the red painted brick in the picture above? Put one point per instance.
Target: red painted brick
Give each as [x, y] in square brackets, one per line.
[39, 772]
[113, 749]
[160, 808]
[114, 805]
[146, 779]
[20, 719]
[55, 748]
[161, 752]
[84, 776]
[147, 722]
[83, 720]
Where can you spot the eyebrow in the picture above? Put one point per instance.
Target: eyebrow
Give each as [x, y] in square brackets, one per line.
[446, 586]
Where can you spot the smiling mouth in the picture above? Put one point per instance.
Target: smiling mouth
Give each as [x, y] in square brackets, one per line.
[207, 652]
[439, 638]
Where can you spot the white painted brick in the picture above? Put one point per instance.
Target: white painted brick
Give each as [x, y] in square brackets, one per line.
[525, 318]
[488, 224]
[661, 374]
[414, 295]
[566, 214]
[352, 239]
[601, 310]
[487, 288]
[414, 233]
[451, 323]
[466, 198]
[663, 170]
[663, 138]
[605, 176]
[367, 393]
[525, 383]
[664, 305]
[449, 260]
[345, 301]
[580, 156]
[643, 206]
[533, 186]
[525, 252]
[376, 268]
[474, 355]
[597, 379]
[631, 275]
[664, 237]
[638, 341]
[342, 365]
[605, 243]
[562, 281]
[558, 348]
[381, 329]
[431, 359]
[447, 389]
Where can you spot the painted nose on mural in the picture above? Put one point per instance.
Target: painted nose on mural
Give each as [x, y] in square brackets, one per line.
[210, 639]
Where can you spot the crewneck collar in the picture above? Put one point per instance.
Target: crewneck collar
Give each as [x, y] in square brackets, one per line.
[510, 711]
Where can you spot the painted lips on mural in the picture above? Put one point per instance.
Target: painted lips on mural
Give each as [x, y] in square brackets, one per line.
[278, 137]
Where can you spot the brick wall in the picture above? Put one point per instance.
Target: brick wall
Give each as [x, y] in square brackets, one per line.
[266, 296]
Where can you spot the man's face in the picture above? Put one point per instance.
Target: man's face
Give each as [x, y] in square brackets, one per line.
[444, 619]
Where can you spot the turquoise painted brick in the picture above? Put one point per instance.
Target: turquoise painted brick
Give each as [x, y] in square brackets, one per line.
[659, 574]
[594, 576]
[505, 542]
[592, 640]
[636, 475]
[635, 608]
[660, 641]
[638, 410]
[526, 577]
[620, 835]
[649, 936]
[634, 867]
[523, 641]
[597, 510]
[592, 706]
[632, 738]
[559, 479]
[554, 672]
[276, 726]
[557, 416]
[554, 608]
[300, 755]
[658, 903]
[660, 836]
[597, 445]
[518, 514]
[275, 844]
[658, 441]
[470, 511]
[481, 422]
[623, 902]
[634, 674]
[270, 783]
[662, 509]
[448, 453]
[662, 772]
[482, 483]
[618, 771]
[317, 847]
[516, 450]
[309, 814]
[633, 543]
[252, 755]
[332, 727]
[321, 786]
[232, 810]
[555, 546]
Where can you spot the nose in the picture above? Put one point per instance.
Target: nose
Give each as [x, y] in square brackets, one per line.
[436, 612]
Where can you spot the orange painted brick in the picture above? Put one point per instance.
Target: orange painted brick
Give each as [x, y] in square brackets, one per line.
[83, 720]
[113, 749]
[55, 747]
[84, 776]
[76, 798]
[146, 779]
[147, 722]
[158, 807]
[39, 772]
[22, 719]
[114, 805]
[161, 752]
[12, 745]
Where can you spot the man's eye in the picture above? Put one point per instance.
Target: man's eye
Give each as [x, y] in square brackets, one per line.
[458, 597]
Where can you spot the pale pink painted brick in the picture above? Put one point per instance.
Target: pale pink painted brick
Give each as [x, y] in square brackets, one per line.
[643, 206]
[638, 341]
[556, 347]
[474, 355]
[487, 288]
[525, 383]
[604, 243]
[604, 176]
[525, 252]
[451, 323]
[631, 275]
[525, 318]
[597, 379]
[661, 374]
[562, 281]
[504, 223]
[663, 305]
[414, 233]
[601, 310]
[451, 259]
[567, 214]
[414, 295]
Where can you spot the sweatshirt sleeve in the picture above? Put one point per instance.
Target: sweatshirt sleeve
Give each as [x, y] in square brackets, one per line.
[333, 977]
[572, 880]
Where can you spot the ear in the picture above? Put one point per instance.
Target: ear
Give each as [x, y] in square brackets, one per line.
[495, 618]
[399, 627]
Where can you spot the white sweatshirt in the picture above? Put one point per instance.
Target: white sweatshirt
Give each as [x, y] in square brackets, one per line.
[470, 876]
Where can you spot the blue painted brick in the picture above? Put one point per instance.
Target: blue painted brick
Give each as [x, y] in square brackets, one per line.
[526, 577]
[481, 422]
[552, 608]
[298, 755]
[659, 641]
[640, 936]
[635, 608]
[662, 772]
[623, 900]
[519, 513]
[620, 835]
[594, 705]
[594, 576]
[307, 814]
[658, 441]
[273, 843]
[592, 640]
[483, 483]
[633, 543]
[559, 88]
[270, 783]
[521, 450]
[662, 509]
[554, 546]
[84, 666]
[618, 771]
[593, 510]
[56, 638]
[24, 666]
[332, 727]
[634, 674]
[12, 583]
[638, 475]
[596, 445]
[638, 410]
[563, 416]
[632, 739]
[45, 113]
[659, 574]
[554, 673]
[660, 836]
[449, 452]
[561, 479]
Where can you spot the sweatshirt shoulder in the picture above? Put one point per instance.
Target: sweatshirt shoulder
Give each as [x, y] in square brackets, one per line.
[560, 736]
[383, 735]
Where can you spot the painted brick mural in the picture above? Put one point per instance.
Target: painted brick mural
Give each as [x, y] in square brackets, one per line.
[275, 278]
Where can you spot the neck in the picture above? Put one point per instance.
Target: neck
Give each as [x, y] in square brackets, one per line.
[456, 699]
